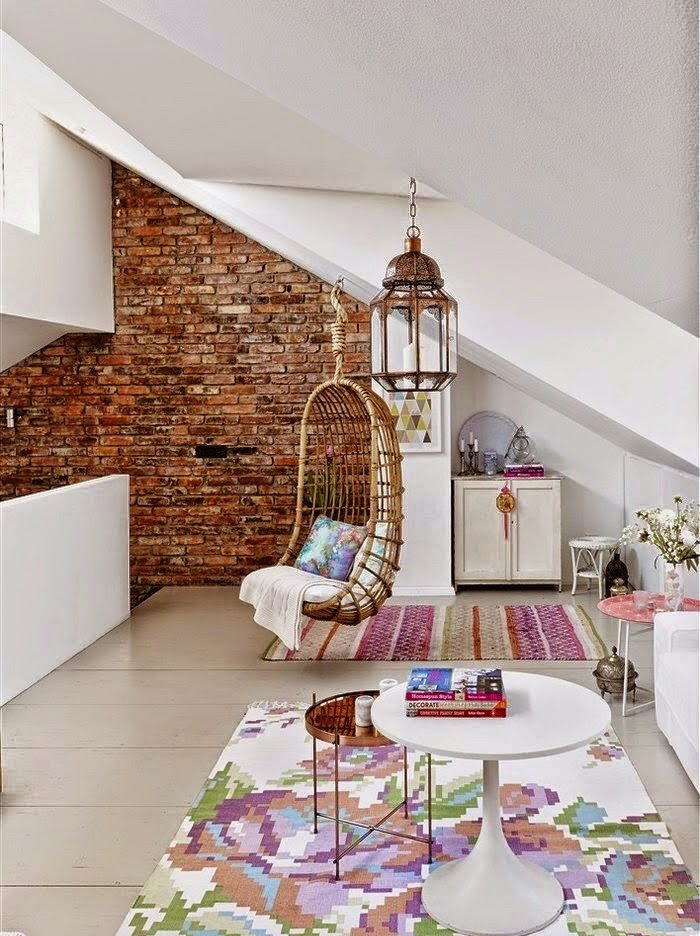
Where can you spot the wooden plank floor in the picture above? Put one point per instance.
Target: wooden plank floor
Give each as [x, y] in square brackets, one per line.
[102, 758]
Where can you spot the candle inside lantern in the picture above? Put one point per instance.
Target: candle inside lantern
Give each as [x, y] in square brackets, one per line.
[409, 357]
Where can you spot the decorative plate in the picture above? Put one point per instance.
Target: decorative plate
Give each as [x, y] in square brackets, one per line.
[494, 431]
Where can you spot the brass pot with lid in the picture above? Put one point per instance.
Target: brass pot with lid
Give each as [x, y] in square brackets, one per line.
[618, 587]
[610, 675]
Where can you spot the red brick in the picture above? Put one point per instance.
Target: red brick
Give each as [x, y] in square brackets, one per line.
[183, 366]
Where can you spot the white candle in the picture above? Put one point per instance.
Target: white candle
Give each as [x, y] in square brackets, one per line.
[363, 711]
[471, 438]
[385, 684]
[461, 445]
[409, 358]
[476, 445]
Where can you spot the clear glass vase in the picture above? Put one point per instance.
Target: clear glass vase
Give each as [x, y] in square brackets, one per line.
[673, 587]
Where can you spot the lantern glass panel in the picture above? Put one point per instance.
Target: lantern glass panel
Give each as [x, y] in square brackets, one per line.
[432, 337]
[393, 340]
[401, 336]
[377, 337]
[452, 337]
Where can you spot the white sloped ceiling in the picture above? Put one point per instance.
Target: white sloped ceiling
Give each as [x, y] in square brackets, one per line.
[569, 338]
[573, 125]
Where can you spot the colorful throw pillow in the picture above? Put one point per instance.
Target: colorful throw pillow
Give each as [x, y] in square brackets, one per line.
[331, 548]
[373, 562]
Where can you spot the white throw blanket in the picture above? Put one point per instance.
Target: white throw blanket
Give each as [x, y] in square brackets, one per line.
[277, 594]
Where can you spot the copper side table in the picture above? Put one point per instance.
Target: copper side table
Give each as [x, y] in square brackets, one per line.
[333, 720]
[622, 607]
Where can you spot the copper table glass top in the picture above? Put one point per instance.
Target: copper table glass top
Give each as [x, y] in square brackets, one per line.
[622, 607]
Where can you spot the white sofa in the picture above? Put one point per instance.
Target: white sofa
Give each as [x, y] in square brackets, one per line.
[677, 685]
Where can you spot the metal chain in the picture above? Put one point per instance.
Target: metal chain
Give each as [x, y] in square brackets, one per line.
[412, 230]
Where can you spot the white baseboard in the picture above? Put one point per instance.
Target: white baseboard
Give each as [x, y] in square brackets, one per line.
[446, 591]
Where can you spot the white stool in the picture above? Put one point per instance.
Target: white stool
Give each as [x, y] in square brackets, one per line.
[588, 554]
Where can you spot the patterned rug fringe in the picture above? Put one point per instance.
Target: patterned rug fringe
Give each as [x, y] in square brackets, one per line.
[271, 705]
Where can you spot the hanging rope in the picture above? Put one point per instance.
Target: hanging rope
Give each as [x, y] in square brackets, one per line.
[338, 329]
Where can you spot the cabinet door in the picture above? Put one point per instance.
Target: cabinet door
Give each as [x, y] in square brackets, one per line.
[536, 531]
[481, 549]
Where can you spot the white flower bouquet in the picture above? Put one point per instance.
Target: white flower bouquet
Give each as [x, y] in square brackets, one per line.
[675, 532]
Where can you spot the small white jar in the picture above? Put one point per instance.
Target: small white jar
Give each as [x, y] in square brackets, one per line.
[385, 684]
[363, 711]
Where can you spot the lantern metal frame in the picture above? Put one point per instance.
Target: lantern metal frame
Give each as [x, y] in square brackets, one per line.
[413, 288]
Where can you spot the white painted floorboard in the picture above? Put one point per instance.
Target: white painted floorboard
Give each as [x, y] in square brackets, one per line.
[103, 756]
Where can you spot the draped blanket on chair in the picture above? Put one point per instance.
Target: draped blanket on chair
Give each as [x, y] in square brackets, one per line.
[277, 593]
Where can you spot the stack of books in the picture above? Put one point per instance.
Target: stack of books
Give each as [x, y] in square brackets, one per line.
[464, 693]
[534, 470]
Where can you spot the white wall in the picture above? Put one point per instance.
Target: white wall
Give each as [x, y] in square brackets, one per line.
[56, 231]
[650, 485]
[19, 198]
[519, 307]
[64, 576]
[592, 490]
[63, 273]
[20, 337]
[522, 311]
[426, 556]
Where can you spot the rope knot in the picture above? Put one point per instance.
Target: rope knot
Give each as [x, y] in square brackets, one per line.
[338, 330]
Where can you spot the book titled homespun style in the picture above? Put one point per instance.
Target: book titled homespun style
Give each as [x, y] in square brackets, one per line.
[446, 692]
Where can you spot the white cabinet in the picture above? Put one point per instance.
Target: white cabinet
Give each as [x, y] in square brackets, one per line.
[480, 546]
[529, 551]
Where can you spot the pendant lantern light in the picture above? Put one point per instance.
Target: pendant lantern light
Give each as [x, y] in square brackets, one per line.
[413, 320]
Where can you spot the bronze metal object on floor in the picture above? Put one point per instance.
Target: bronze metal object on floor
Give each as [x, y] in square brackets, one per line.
[616, 571]
[618, 587]
[610, 675]
[333, 720]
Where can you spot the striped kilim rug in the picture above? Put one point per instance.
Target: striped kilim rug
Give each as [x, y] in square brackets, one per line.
[455, 632]
[246, 861]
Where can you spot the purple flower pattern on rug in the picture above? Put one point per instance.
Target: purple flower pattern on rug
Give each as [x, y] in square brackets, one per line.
[246, 859]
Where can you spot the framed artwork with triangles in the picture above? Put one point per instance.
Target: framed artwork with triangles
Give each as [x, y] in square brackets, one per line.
[418, 418]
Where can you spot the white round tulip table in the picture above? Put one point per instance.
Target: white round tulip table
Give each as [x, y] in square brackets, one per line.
[492, 892]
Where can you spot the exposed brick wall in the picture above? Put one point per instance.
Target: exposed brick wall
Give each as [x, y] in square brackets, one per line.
[219, 340]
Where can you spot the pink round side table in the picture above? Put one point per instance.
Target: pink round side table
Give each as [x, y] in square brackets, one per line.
[622, 607]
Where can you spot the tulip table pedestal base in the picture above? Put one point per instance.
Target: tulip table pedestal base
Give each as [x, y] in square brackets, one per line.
[492, 892]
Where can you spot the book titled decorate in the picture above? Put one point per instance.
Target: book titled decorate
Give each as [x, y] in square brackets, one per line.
[445, 692]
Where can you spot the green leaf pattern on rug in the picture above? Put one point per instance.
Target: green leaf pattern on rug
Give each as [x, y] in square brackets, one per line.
[225, 784]
[246, 860]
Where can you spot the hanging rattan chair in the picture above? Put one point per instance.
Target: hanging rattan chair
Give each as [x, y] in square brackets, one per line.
[350, 470]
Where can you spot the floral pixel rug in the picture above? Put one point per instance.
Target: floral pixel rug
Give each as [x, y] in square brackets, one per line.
[246, 860]
[452, 632]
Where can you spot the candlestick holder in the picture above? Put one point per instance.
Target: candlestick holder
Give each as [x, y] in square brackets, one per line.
[468, 461]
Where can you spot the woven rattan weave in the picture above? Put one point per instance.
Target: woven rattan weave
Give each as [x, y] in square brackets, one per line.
[350, 470]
